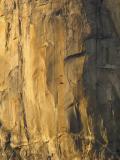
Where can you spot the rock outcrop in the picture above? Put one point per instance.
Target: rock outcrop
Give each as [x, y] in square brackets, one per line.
[59, 79]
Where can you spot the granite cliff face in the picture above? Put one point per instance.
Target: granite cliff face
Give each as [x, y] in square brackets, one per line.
[59, 79]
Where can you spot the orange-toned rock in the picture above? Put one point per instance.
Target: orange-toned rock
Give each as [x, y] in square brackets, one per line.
[59, 79]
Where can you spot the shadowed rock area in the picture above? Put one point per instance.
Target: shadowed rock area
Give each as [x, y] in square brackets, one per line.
[59, 79]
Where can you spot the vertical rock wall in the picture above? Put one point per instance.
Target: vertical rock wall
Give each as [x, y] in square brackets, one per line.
[59, 79]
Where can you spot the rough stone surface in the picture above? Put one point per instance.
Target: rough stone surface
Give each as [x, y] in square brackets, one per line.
[59, 79]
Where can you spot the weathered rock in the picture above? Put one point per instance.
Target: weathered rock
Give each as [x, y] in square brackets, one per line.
[59, 79]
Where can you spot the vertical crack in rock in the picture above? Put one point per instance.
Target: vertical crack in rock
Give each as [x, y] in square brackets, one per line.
[21, 80]
[8, 29]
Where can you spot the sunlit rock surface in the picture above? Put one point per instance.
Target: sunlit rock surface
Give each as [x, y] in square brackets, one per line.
[59, 79]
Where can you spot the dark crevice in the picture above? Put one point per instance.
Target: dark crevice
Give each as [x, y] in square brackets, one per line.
[75, 55]
[20, 27]
[74, 119]
[7, 144]
[78, 143]
[21, 99]
[58, 12]
[15, 5]
[8, 29]
[24, 118]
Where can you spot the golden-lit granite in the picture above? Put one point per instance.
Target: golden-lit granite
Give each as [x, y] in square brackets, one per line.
[59, 79]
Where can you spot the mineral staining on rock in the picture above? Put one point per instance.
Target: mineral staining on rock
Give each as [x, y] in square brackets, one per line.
[59, 79]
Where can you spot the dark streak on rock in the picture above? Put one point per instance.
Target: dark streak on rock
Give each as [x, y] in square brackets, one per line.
[75, 55]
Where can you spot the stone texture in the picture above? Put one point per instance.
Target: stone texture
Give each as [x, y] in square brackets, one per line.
[59, 79]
